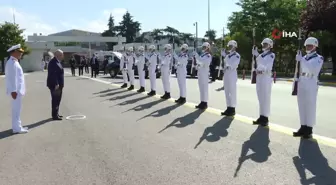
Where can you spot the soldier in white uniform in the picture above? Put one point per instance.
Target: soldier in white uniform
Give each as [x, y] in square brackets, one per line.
[152, 67]
[264, 83]
[165, 71]
[203, 64]
[310, 67]
[130, 67]
[15, 85]
[181, 72]
[140, 63]
[123, 69]
[231, 61]
[42, 64]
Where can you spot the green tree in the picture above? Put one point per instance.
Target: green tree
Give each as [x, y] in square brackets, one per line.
[211, 35]
[172, 35]
[128, 28]
[265, 16]
[110, 32]
[318, 20]
[157, 34]
[10, 34]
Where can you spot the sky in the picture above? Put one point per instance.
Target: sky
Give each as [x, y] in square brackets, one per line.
[50, 16]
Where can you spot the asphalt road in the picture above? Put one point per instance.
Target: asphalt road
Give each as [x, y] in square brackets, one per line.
[129, 138]
[284, 109]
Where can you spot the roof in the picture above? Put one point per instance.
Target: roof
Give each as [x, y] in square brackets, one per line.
[74, 32]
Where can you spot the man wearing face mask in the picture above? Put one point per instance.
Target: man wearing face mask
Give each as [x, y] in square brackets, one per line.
[165, 71]
[140, 63]
[203, 62]
[181, 72]
[310, 67]
[264, 82]
[152, 65]
[123, 69]
[231, 61]
[130, 67]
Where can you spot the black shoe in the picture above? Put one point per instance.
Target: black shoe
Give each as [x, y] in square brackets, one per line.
[308, 133]
[60, 116]
[141, 90]
[178, 100]
[57, 118]
[300, 132]
[202, 106]
[166, 96]
[152, 93]
[131, 87]
[123, 86]
[230, 111]
[262, 121]
[182, 100]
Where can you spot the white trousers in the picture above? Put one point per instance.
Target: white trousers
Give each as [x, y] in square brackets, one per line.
[264, 90]
[16, 113]
[203, 84]
[182, 81]
[230, 87]
[307, 97]
[165, 76]
[142, 74]
[152, 77]
[130, 72]
[124, 74]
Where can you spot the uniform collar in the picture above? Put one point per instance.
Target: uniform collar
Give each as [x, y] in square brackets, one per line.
[311, 54]
[14, 59]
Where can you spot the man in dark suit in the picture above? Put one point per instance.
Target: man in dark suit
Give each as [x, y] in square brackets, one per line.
[94, 66]
[55, 83]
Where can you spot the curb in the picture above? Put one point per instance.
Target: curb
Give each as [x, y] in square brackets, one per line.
[322, 83]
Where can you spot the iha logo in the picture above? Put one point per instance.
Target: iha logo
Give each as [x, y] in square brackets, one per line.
[277, 34]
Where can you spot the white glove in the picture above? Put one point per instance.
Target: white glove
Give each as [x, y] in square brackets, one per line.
[255, 51]
[223, 53]
[298, 56]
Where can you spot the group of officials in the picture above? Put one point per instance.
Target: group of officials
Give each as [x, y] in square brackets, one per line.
[310, 67]
[83, 64]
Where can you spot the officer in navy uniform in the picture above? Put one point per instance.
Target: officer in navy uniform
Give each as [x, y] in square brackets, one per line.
[264, 81]
[55, 83]
[15, 87]
[310, 67]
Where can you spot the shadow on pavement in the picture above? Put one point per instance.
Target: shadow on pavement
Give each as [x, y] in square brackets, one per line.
[145, 106]
[217, 131]
[113, 93]
[106, 91]
[161, 112]
[123, 96]
[259, 144]
[8, 133]
[132, 101]
[310, 158]
[186, 120]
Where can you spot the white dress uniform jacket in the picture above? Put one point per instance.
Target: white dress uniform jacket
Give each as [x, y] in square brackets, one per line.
[165, 71]
[203, 64]
[152, 60]
[130, 70]
[15, 82]
[264, 81]
[123, 67]
[181, 72]
[140, 63]
[230, 78]
[310, 65]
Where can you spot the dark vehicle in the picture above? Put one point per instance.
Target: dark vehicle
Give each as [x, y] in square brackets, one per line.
[114, 69]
